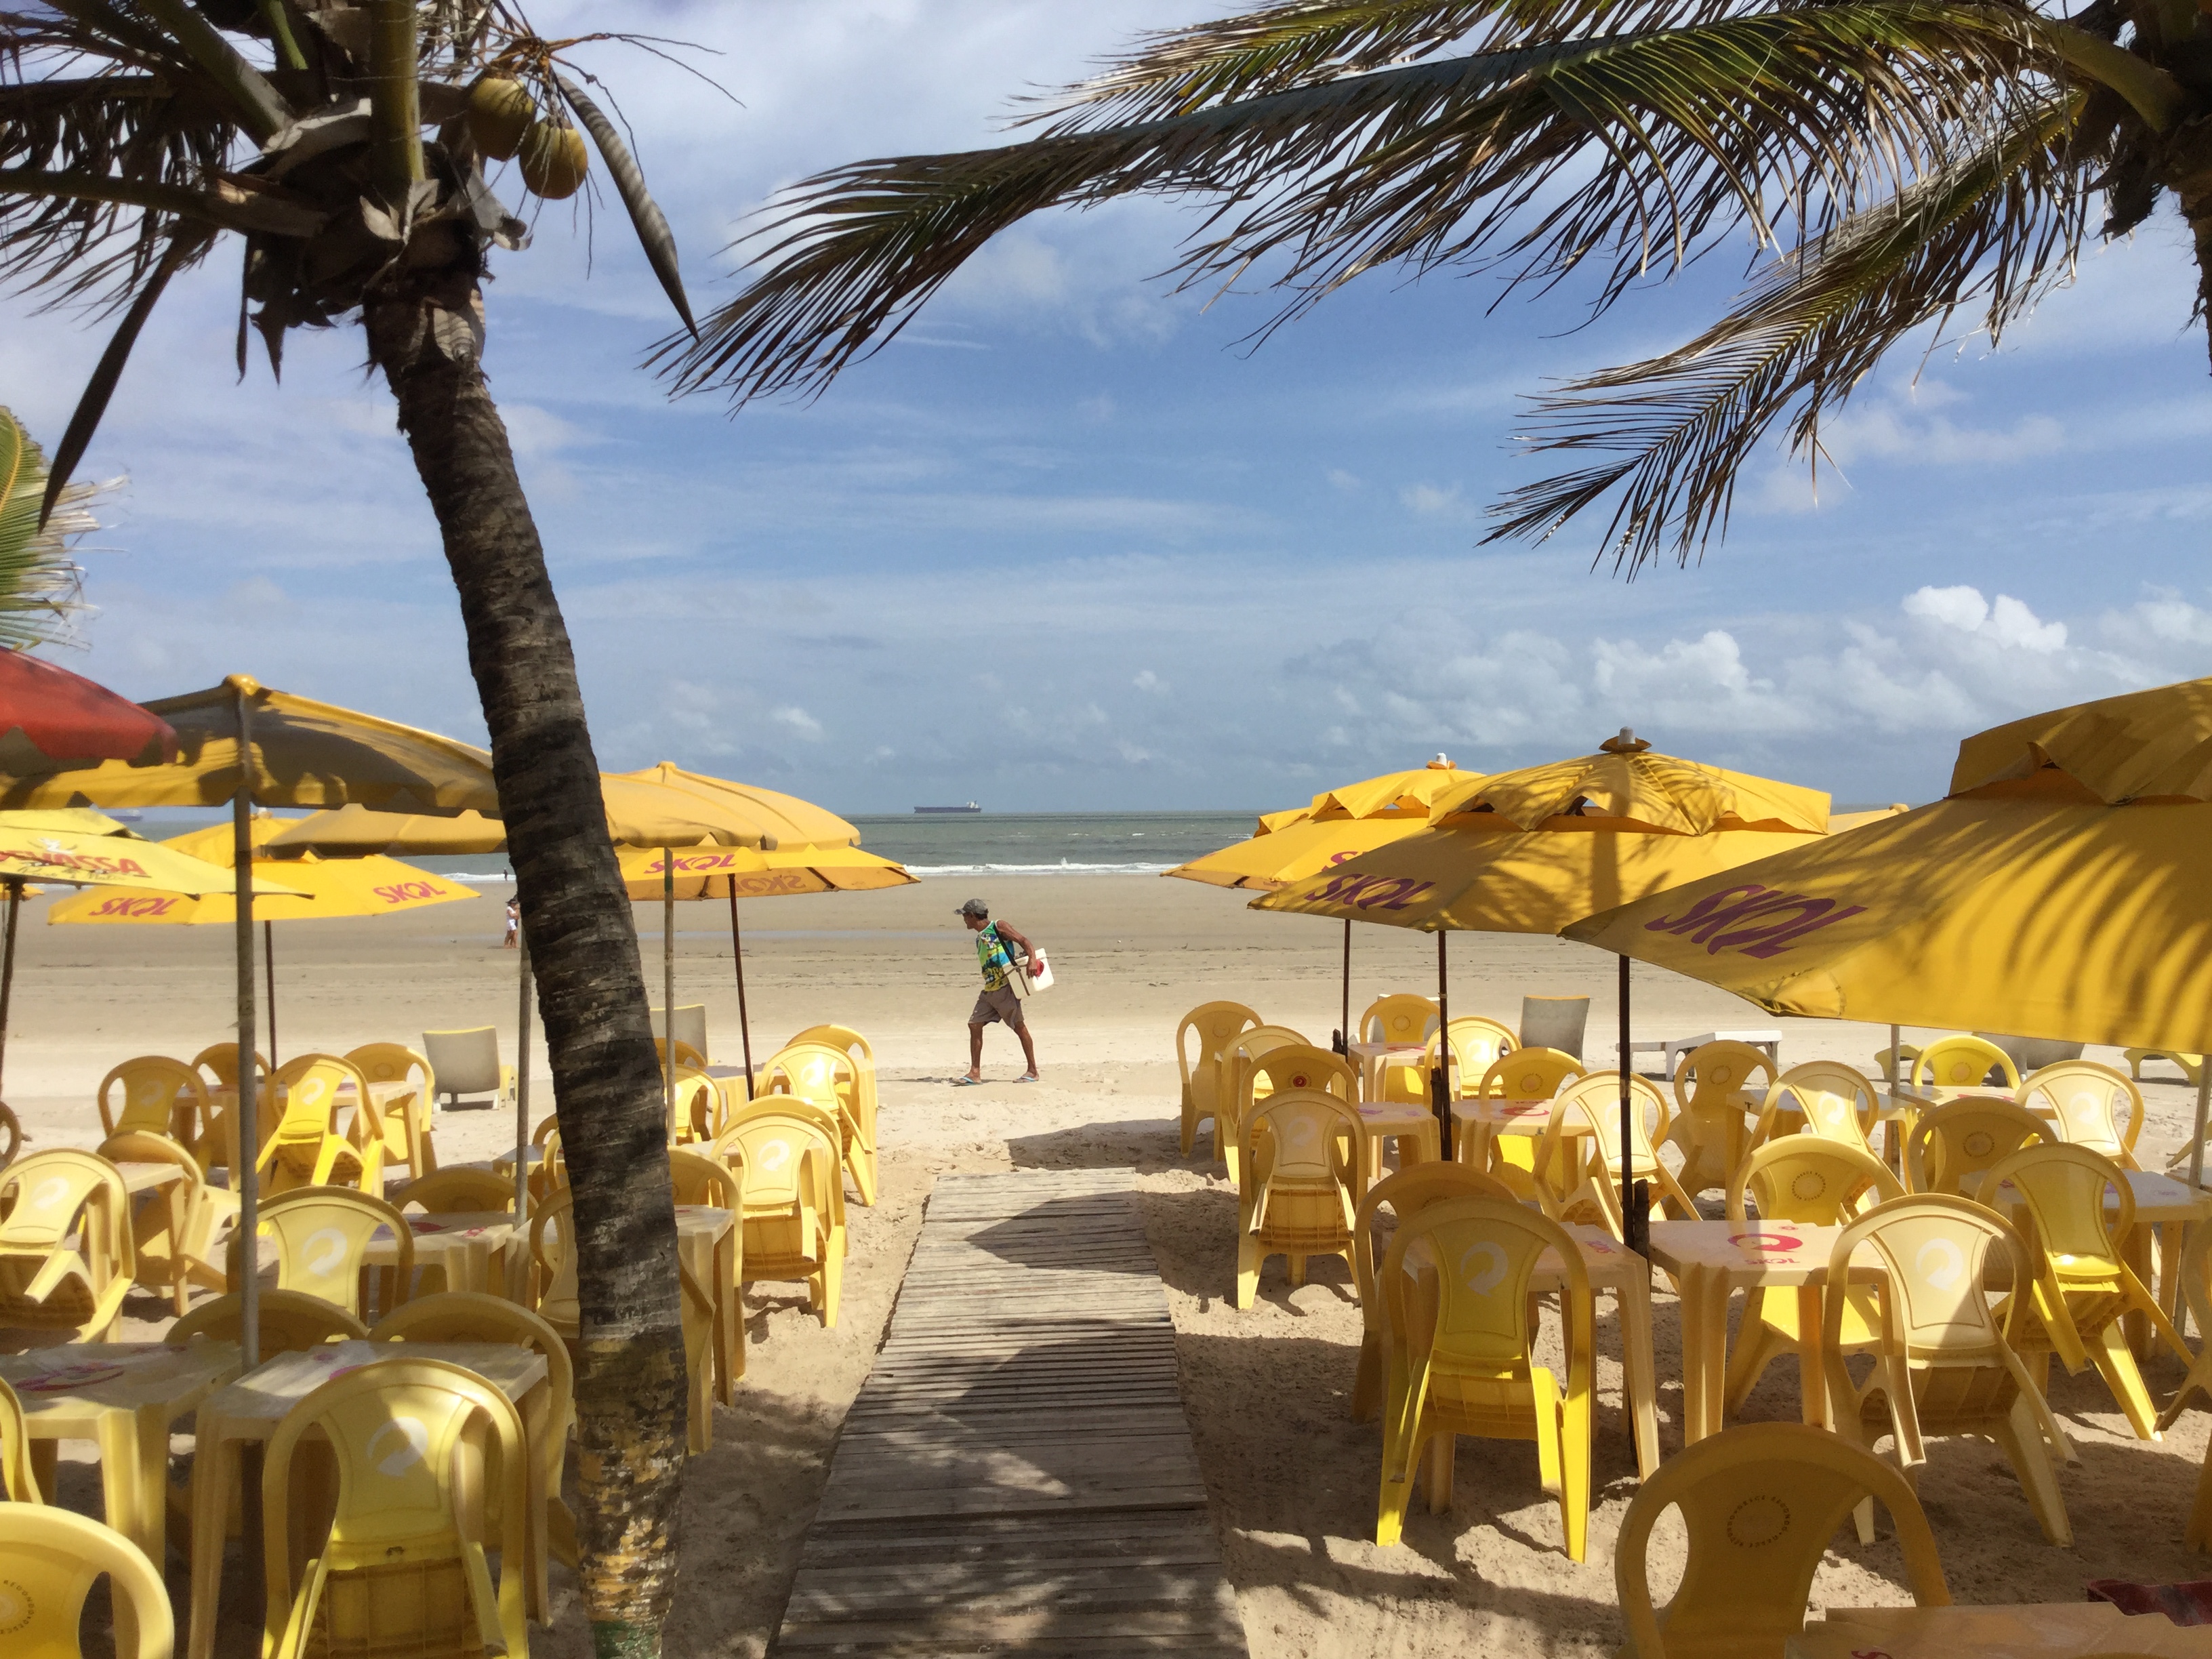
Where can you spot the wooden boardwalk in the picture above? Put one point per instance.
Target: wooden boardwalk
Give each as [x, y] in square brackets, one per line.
[1016, 1475]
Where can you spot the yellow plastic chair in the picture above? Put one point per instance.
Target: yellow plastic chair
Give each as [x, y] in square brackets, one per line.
[53, 1556]
[2082, 1288]
[1405, 1192]
[1961, 1063]
[1950, 1146]
[1302, 1147]
[172, 1230]
[705, 1182]
[1523, 1075]
[1834, 1102]
[793, 1203]
[1718, 1093]
[1214, 1024]
[2086, 1102]
[831, 1076]
[863, 1103]
[1458, 1356]
[1761, 1503]
[407, 1130]
[1477, 1044]
[291, 1321]
[460, 1191]
[17, 1484]
[1906, 1054]
[685, 1054]
[305, 1148]
[2191, 1065]
[402, 1569]
[11, 1134]
[467, 1065]
[1814, 1182]
[1239, 1088]
[160, 1096]
[1945, 1363]
[2197, 1290]
[1402, 1017]
[550, 1228]
[319, 1236]
[473, 1316]
[695, 1108]
[66, 1256]
[1584, 1170]
[219, 1062]
[690, 1026]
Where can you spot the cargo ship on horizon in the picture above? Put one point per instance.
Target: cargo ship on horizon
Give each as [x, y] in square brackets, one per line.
[930, 810]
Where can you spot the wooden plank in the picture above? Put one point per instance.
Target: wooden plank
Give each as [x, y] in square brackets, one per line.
[1018, 1476]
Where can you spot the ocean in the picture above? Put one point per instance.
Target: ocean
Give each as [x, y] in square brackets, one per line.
[982, 843]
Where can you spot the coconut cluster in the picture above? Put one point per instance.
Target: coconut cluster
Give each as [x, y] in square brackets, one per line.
[505, 122]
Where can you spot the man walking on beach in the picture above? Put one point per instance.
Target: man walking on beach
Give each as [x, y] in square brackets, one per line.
[998, 1000]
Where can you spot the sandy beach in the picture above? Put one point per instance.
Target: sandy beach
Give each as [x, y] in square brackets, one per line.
[1291, 1480]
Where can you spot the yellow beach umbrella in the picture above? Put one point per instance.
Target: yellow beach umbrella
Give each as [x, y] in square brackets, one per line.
[244, 743]
[78, 847]
[1337, 825]
[1532, 850]
[313, 888]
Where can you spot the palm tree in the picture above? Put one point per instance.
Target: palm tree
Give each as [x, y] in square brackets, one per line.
[138, 134]
[41, 587]
[1898, 161]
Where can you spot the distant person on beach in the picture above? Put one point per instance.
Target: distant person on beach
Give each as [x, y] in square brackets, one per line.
[514, 922]
[998, 1000]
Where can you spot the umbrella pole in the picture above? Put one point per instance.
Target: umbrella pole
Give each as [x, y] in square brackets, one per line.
[8, 962]
[1344, 1032]
[522, 1082]
[268, 962]
[1440, 1079]
[668, 982]
[1636, 1216]
[737, 956]
[249, 1081]
[1896, 1036]
[2196, 1137]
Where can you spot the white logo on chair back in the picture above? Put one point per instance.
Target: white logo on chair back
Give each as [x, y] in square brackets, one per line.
[153, 1092]
[50, 1191]
[311, 1090]
[1939, 1261]
[1302, 1137]
[1486, 1277]
[323, 1251]
[774, 1155]
[1832, 1109]
[414, 1445]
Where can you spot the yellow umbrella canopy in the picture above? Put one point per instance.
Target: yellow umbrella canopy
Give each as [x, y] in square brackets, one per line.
[2153, 745]
[1626, 786]
[2081, 922]
[305, 753]
[639, 814]
[781, 819]
[712, 872]
[311, 888]
[32, 851]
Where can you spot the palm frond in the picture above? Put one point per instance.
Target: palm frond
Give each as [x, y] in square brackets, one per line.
[40, 585]
[1995, 228]
[1698, 129]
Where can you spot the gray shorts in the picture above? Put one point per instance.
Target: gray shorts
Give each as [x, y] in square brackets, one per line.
[1001, 1004]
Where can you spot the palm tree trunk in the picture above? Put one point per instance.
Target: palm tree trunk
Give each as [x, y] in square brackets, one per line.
[426, 332]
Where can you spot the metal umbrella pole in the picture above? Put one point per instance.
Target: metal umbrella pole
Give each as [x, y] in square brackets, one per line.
[522, 1080]
[8, 962]
[269, 961]
[1440, 1079]
[249, 1081]
[1344, 1032]
[738, 956]
[668, 984]
[1635, 1196]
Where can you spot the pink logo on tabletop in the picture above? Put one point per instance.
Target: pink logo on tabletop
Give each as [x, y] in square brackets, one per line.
[1782, 1242]
[1776, 919]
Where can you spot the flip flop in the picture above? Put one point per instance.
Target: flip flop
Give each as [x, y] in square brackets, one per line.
[968, 1083]
[1032, 1078]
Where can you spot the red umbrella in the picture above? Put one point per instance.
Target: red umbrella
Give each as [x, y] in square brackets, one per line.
[66, 717]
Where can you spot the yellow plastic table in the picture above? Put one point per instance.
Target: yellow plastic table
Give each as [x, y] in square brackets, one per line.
[707, 1242]
[476, 1249]
[1401, 1121]
[169, 1180]
[1613, 1265]
[1711, 1260]
[2041, 1630]
[122, 1396]
[1488, 1119]
[250, 1409]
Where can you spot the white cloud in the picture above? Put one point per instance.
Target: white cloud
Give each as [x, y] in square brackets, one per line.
[1429, 500]
[1148, 681]
[2007, 621]
[1343, 480]
[799, 720]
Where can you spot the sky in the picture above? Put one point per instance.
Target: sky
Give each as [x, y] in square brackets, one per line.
[1072, 543]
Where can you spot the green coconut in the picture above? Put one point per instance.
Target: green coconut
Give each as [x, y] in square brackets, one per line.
[500, 114]
[554, 161]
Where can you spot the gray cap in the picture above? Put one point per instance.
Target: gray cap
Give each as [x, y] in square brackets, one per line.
[975, 908]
